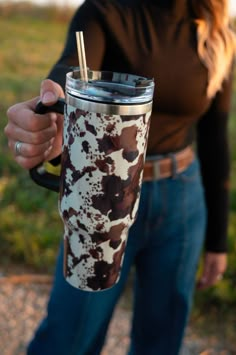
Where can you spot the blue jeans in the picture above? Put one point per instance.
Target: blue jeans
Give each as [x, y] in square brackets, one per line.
[164, 244]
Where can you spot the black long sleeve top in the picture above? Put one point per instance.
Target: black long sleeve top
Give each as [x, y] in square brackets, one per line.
[158, 39]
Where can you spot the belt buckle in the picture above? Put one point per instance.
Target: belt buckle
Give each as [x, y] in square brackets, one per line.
[156, 170]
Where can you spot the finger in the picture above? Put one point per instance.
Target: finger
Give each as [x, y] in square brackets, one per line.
[204, 280]
[31, 150]
[15, 133]
[50, 92]
[28, 163]
[202, 283]
[219, 277]
[209, 280]
[28, 121]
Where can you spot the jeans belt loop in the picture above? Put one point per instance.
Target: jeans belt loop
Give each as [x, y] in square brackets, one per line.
[174, 165]
[156, 170]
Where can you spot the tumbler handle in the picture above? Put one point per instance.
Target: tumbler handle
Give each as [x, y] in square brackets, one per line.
[47, 174]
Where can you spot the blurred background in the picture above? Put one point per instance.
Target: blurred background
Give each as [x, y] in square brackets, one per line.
[31, 38]
[74, 3]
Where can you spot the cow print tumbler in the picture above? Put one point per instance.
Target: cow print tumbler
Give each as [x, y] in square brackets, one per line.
[105, 138]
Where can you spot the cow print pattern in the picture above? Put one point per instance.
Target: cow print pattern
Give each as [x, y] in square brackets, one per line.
[102, 164]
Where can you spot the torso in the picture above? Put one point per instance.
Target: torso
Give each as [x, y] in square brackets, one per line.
[149, 43]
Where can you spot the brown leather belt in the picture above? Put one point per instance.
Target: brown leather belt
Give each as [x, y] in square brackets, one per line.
[168, 165]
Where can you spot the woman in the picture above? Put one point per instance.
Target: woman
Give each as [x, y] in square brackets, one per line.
[188, 47]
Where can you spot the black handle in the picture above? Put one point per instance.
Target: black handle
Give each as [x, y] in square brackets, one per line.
[44, 174]
[57, 107]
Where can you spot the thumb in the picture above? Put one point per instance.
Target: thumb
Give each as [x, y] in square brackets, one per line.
[50, 91]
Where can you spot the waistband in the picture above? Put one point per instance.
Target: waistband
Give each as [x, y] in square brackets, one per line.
[160, 167]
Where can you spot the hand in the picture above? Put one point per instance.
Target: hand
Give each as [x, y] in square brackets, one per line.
[213, 269]
[40, 135]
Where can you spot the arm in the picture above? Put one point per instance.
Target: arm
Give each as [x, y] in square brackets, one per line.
[213, 152]
[41, 137]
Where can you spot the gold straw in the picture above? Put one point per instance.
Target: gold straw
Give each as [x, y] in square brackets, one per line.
[81, 56]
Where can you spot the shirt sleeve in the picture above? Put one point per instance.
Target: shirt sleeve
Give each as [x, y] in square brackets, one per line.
[214, 156]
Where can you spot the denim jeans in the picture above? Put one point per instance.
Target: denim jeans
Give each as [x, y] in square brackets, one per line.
[164, 245]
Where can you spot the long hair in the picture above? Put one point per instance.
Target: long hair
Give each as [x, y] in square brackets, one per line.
[216, 41]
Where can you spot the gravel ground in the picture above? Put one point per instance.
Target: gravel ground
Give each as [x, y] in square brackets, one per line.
[22, 304]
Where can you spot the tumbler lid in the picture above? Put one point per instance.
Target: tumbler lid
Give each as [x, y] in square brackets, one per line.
[110, 87]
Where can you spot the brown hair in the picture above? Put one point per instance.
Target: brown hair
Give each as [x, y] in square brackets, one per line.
[216, 40]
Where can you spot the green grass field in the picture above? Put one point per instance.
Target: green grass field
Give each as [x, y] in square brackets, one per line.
[30, 228]
[31, 40]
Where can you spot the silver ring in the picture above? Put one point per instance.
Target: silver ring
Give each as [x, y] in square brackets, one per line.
[18, 146]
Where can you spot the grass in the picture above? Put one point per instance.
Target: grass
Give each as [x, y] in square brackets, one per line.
[30, 228]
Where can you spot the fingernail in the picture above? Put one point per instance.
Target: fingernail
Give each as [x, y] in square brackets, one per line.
[48, 97]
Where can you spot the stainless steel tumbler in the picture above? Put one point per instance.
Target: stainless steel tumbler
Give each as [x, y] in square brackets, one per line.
[106, 128]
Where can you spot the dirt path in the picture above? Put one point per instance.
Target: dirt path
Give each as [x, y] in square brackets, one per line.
[22, 304]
